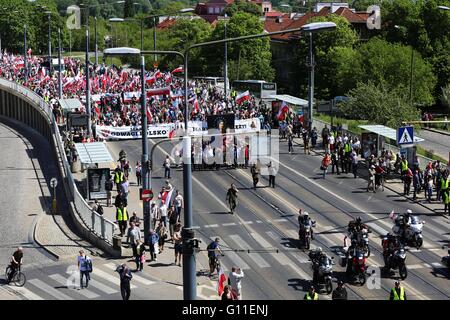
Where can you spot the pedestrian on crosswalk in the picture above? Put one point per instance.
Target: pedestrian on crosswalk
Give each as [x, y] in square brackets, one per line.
[125, 278]
[85, 267]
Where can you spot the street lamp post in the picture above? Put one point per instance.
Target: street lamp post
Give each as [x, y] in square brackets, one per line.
[88, 89]
[25, 60]
[225, 66]
[189, 269]
[95, 41]
[311, 65]
[49, 41]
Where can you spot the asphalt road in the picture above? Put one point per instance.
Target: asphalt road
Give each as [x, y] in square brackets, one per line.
[437, 142]
[266, 221]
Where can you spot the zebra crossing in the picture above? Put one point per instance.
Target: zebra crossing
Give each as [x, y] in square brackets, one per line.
[104, 284]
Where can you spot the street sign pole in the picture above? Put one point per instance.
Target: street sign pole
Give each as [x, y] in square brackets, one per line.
[53, 184]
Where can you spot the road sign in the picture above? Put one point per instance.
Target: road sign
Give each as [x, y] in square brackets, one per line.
[53, 182]
[147, 195]
[405, 136]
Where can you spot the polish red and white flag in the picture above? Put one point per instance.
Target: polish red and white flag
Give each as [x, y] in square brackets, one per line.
[221, 282]
[282, 112]
[242, 97]
[178, 70]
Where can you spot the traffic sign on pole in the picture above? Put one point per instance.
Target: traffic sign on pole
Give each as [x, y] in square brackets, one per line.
[405, 136]
[53, 182]
[147, 195]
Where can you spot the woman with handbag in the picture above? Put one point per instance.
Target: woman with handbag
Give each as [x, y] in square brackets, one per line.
[325, 163]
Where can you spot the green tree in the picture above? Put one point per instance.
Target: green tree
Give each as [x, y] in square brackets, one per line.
[243, 6]
[445, 96]
[379, 104]
[325, 45]
[390, 65]
[255, 53]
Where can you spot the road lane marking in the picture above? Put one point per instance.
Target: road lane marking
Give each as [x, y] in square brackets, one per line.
[377, 228]
[84, 292]
[280, 220]
[229, 224]
[50, 290]
[211, 226]
[136, 277]
[244, 245]
[26, 293]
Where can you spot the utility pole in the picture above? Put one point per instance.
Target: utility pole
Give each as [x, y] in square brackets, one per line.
[225, 66]
[25, 60]
[88, 89]
[311, 64]
[59, 65]
[144, 161]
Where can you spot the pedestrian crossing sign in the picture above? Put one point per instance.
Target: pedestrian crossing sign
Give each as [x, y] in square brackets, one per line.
[405, 136]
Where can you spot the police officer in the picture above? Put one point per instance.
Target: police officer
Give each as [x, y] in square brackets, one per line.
[398, 292]
[445, 192]
[122, 218]
[118, 177]
[311, 294]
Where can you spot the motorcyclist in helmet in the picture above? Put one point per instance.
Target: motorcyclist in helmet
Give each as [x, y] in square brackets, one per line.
[305, 220]
[318, 258]
[392, 246]
[403, 222]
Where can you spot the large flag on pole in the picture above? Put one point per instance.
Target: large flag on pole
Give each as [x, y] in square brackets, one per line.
[242, 97]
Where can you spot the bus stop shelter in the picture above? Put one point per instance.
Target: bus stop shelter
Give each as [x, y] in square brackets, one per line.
[91, 155]
[69, 105]
[375, 137]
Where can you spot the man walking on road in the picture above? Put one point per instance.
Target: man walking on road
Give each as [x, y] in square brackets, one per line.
[271, 175]
[232, 197]
[166, 166]
[85, 267]
[125, 278]
[179, 204]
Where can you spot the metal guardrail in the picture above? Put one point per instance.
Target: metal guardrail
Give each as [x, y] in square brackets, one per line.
[94, 222]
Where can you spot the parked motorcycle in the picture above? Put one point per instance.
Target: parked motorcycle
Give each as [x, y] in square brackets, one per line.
[412, 236]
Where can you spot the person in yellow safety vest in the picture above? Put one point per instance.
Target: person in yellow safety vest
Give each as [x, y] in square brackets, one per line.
[404, 165]
[311, 294]
[397, 293]
[118, 177]
[445, 192]
[122, 218]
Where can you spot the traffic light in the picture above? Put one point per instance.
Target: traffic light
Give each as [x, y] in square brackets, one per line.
[149, 164]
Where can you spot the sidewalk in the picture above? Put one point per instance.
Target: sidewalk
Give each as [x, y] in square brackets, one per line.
[392, 183]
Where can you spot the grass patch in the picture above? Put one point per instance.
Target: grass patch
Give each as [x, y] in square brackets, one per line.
[430, 154]
[351, 124]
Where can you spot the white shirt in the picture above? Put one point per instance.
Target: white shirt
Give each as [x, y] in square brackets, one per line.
[179, 200]
[154, 212]
[235, 280]
[331, 139]
[163, 210]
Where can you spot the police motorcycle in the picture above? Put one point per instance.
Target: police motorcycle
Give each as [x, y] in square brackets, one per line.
[394, 255]
[409, 230]
[322, 266]
[355, 261]
[305, 230]
[359, 232]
